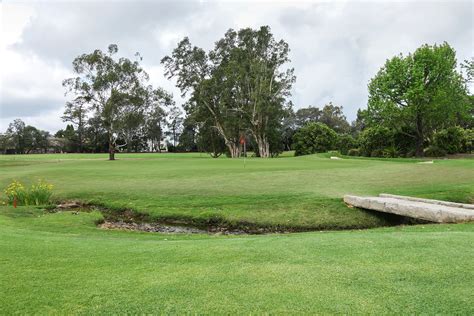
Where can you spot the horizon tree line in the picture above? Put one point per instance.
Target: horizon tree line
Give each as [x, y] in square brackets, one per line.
[239, 91]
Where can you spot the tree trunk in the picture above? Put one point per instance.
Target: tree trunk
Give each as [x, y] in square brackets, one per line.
[263, 146]
[80, 132]
[419, 136]
[111, 147]
[234, 149]
[129, 143]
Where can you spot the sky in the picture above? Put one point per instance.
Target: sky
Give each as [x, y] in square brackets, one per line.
[336, 46]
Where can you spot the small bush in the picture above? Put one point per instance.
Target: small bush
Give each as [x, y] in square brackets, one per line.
[376, 153]
[450, 139]
[468, 141]
[353, 152]
[314, 138]
[345, 142]
[374, 140]
[434, 151]
[391, 152]
[39, 193]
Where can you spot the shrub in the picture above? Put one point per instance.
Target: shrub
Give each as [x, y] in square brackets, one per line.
[376, 153]
[468, 141]
[353, 152]
[345, 142]
[16, 191]
[374, 140]
[391, 152]
[450, 139]
[434, 151]
[314, 138]
[39, 193]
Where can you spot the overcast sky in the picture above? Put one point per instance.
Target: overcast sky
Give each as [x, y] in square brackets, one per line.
[336, 47]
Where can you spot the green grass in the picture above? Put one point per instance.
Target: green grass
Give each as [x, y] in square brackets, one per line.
[301, 193]
[62, 263]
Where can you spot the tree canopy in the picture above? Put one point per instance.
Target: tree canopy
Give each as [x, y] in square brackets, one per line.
[241, 84]
[418, 93]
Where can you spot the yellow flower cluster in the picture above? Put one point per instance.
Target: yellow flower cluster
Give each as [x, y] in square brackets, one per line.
[38, 194]
[14, 189]
[41, 185]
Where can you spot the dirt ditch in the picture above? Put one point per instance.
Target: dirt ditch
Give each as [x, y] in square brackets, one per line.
[126, 219]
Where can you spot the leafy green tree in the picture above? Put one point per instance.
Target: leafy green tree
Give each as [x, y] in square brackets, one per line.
[25, 138]
[422, 91]
[70, 139]
[257, 64]
[210, 140]
[16, 134]
[6, 144]
[306, 115]
[468, 67]
[108, 86]
[202, 75]
[360, 123]
[288, 129]
[96, 135]
[333, 116]
[158, 101]
[240, 84]
[314, 138]
[76, 113]
[188, 136]
[175, 123]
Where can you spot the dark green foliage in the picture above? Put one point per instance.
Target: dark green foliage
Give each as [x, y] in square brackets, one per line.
[307, 115]
[374, 140]
[353, 152]
[434, 151]
[390, 152]
[450, 139]
[331, 115]
[314, 138]
[241, 85]
[419, 93]
[210, 141]
[468, 141]
[23, 139]
[70, 139]
[187, 138]
[113, 88]
[345, 142]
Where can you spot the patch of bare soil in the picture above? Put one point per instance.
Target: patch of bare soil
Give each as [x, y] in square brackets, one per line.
[151, 227]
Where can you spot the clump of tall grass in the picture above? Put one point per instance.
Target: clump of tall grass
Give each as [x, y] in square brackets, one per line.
[38, 193]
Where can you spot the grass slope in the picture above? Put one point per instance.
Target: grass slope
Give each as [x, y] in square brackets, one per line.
[302, 193]
[61, 263]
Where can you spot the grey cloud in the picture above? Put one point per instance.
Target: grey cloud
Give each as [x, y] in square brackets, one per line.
[62, 31]
[335, 47]
[30, 107]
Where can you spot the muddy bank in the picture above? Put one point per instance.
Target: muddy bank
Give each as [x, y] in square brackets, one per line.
[167, 229]
[127, 219]
[151, 227]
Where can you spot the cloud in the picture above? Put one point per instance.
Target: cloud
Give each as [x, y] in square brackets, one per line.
[336, 47]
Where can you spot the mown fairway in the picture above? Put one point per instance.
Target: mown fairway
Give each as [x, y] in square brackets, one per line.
[62, 263]
[291, 192]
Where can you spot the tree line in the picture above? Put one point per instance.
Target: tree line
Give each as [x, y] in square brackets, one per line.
[239, 92]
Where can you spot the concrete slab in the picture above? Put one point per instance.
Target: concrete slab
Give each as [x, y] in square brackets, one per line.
[409, 198]
[430, 210]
